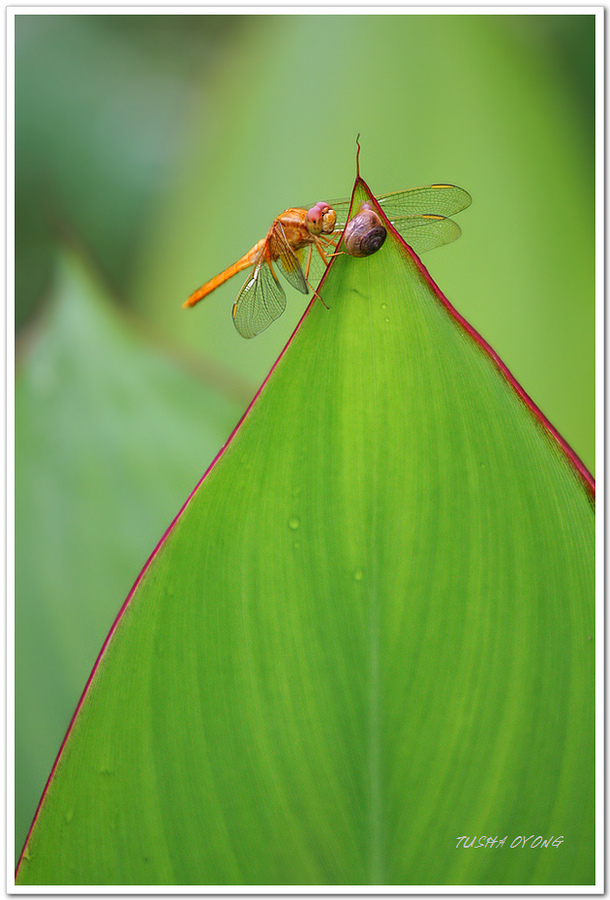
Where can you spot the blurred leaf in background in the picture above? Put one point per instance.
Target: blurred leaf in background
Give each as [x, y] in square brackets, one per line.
[166, 145]
[101, 108]
[95, 492]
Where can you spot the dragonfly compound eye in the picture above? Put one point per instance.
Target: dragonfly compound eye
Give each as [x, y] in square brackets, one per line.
[364, 234]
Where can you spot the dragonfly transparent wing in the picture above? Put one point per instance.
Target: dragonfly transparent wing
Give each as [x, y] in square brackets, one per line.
[424, 233]
[287, 260]
[259, 303]
[420, 215]
[436, 199]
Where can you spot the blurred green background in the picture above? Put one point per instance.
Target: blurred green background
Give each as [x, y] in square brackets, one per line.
[151, 152]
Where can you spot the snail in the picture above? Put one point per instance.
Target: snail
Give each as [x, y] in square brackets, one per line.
[364, 234]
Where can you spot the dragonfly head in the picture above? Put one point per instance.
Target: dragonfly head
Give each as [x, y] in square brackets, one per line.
[321, 218]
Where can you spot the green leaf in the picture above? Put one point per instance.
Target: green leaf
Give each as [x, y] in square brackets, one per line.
[368, 633]
[110, 430]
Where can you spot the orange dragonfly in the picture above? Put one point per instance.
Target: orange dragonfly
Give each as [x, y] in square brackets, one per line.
[301, 241]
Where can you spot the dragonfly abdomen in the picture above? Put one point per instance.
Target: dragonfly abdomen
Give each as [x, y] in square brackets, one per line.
[247, 260]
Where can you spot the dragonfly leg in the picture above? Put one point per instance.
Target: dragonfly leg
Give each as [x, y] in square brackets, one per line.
[320, 249]
[325, 256]
[306, 270]
[323, 250]
[308, 263]
[315, 293]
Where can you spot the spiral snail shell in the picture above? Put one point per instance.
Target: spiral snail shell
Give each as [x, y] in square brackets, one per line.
[364, 234]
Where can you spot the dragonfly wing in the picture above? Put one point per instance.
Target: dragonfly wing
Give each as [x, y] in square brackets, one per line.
[288, 261]
[259, 303]
[420, 215]
[424, 233]
[436, 199]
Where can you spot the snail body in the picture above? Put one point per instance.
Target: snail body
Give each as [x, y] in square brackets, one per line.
[364, 234]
